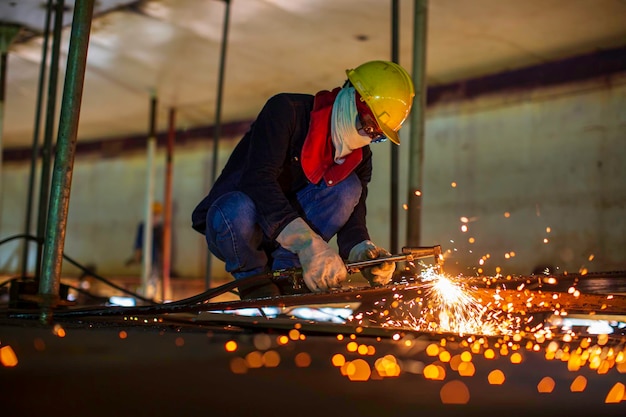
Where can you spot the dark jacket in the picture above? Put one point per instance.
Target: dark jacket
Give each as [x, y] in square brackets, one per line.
[265, 165]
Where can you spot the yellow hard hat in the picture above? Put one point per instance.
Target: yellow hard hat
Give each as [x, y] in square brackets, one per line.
[157, 208]
[387, 90]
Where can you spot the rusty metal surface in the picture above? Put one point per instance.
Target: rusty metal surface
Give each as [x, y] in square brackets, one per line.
[128, 367]
[201, 356]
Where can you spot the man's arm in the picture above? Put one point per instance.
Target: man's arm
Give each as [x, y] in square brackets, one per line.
[355, 229]
[268, 152]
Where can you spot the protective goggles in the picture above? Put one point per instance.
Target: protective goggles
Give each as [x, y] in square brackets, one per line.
[371, 129]
[368, 122]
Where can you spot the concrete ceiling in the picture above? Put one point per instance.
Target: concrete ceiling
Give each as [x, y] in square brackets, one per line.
[171, 48]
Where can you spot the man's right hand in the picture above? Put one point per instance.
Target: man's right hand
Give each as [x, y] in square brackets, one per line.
[377, 275]
[322, 267]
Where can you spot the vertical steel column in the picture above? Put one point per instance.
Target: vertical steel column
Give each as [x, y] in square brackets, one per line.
[64, 159]
[167, 209]
[34, 157]
[218, 122]
[146, 270]
[7, 34]
[395, 164]
[3, 81]
[416, 154]
[46, 150]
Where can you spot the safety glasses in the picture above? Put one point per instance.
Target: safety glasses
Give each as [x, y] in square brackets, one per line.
[368, 123]
[370, 128]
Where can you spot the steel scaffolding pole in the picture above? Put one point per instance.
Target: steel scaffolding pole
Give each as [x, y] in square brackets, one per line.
[166, 292]
[417, 117]
[46, 150]
[64, 159]
[218, 122]
[34, 157]
[147, 271]
[395, 163]
[7, 34]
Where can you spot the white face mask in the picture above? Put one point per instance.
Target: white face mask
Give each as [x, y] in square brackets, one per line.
[345, 135]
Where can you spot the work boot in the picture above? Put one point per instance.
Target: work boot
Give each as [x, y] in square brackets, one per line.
[262, 289]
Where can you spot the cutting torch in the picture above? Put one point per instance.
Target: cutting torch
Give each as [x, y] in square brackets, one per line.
[291, 281]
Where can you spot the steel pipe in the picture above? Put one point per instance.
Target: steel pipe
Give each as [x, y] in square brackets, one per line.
[64, 160]
[417, 117]
[218, 122]
[395, 162]
[46, 150]
[7, 34]
[34, 157]
[146, 265]
[167, 209]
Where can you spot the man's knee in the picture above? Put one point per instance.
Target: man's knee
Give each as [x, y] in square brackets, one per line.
[230, 208]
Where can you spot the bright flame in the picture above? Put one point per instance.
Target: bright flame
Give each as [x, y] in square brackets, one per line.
[446, 304]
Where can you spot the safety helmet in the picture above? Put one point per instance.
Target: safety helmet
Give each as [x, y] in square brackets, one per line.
[388, 91]
[157, 208]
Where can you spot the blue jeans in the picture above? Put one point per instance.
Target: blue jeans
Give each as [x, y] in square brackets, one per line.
[234, 236]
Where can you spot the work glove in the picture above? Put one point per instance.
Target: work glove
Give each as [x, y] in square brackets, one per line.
[322, 267]
[380, 274]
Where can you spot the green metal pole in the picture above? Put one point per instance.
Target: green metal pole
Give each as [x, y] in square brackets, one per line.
[64, 160]
[7, 34]
[417, 117]
[35, 149]
[3, 81]
[147, 284]
[166, 292]
[395, 163]
[46, 150]
[218, 122]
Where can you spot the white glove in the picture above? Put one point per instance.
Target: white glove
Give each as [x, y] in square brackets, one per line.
[322, 267]
[377, 275]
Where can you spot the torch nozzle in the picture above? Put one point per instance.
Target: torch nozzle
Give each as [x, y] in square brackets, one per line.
[409, 254]
[419, 252]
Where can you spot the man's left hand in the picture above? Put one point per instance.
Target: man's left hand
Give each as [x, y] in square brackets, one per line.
[377, 275]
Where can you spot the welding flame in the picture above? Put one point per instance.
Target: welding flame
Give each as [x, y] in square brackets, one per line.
[453, 304]
[447, 304]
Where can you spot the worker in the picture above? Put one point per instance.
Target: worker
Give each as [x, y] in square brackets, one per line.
[299, 177]
[157, 245]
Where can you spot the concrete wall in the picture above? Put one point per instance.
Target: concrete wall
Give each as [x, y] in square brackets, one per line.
[527, 166]
[106, 204]
[539, 173]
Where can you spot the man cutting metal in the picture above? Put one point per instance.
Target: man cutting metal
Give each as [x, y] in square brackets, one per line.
[299, 177]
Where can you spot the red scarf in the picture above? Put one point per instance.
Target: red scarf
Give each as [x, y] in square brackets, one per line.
[318, 152]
